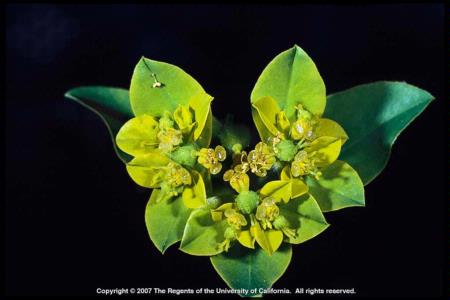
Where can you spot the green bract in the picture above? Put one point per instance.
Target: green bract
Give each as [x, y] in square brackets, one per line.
[245, 206]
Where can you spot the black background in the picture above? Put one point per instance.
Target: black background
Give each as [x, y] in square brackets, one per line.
[74, 219]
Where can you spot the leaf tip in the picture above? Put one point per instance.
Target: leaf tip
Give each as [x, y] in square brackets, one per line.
[162, 249]
[69, 95]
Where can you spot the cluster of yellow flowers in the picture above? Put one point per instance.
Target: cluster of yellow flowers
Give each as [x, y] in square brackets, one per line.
[167, 157]
[164, 152]
[300, 148]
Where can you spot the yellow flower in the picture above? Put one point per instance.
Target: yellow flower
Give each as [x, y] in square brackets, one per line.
[305, 125]
[261, 159]
[267, 211]
[239, 181]
[177, 175]
[173, 179]
[169, 138]
[302, 129]
[242, 165]
[166, 121]
[211, 158]
[274, 124]
[320, 153]
[237, 177]
[235, 219]
[275, 140]
[302, 164]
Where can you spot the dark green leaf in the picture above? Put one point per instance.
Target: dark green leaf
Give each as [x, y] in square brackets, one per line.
[243, 268]
[111, 104]
[373, 115]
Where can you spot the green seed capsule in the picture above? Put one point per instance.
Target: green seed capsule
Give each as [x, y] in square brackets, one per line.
[247, 201]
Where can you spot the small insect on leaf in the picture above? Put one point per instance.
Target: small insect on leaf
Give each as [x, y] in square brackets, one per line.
[156, 84]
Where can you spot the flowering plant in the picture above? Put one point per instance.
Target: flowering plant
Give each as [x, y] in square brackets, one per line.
[244, 207]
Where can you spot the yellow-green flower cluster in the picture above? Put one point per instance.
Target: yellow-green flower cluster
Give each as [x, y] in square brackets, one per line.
[252, 218]
[164, 150]
[305, 144]
[258, 161]
[301, 147]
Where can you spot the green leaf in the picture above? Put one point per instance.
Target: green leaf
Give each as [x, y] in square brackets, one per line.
[338, 187]
[178, 87]
[165, 220]
[111, 104]
[231, 135]
[305, 217]
[373, 115]
[292, 78]
[243, 268]
[202, 235]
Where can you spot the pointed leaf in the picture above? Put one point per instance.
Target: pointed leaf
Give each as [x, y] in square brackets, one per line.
[111, 104]
[373, 115]
[165, 220]
[338, 187]
[243, 268]
[292, 78]
[305, 217]
[202, 235]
